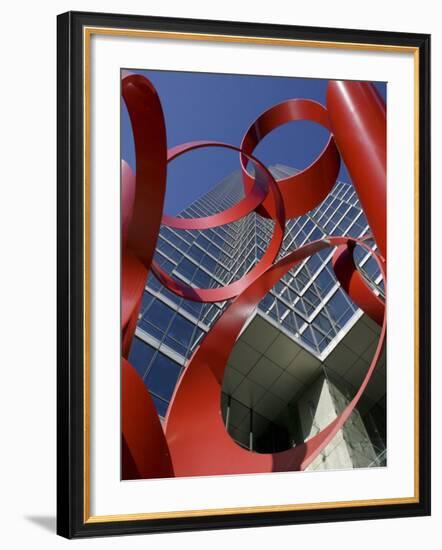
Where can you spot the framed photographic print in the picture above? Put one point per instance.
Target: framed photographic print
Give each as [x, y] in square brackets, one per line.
[229, 197]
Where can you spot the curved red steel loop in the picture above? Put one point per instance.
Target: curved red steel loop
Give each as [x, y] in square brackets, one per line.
[144, 447]
[141, 193]
[219, 294]
[127, 200]
[133, 272]
[149, 132]
[354, 284]
[142, 457]
[133, 277]
[195, 407]
[358, 122]
[309, 187]
[252, 200]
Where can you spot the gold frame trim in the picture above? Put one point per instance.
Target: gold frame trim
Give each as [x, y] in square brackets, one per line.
[87, 33]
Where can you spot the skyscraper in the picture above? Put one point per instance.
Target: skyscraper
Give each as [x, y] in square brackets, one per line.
[302, 355]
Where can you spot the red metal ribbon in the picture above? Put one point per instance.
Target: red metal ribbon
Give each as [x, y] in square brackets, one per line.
[265, 182]
[309, 187]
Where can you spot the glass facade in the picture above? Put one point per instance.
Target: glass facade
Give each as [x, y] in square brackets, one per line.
[308, 304]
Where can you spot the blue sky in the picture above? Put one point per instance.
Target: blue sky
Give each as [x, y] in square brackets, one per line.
[202, 106]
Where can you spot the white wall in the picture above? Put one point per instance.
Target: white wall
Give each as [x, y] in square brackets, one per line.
[27, 273]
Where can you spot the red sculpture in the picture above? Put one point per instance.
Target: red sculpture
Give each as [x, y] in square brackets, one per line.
[357, 120]
[194, 440]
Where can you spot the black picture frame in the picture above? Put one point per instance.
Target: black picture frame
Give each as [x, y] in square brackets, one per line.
[71, 520]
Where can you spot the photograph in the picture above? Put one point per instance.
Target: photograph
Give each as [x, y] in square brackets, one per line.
[299, 383]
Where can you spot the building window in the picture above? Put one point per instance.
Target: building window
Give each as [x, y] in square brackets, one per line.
[163, 376]
[159, 315]
[141, 355]
[179, 335]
